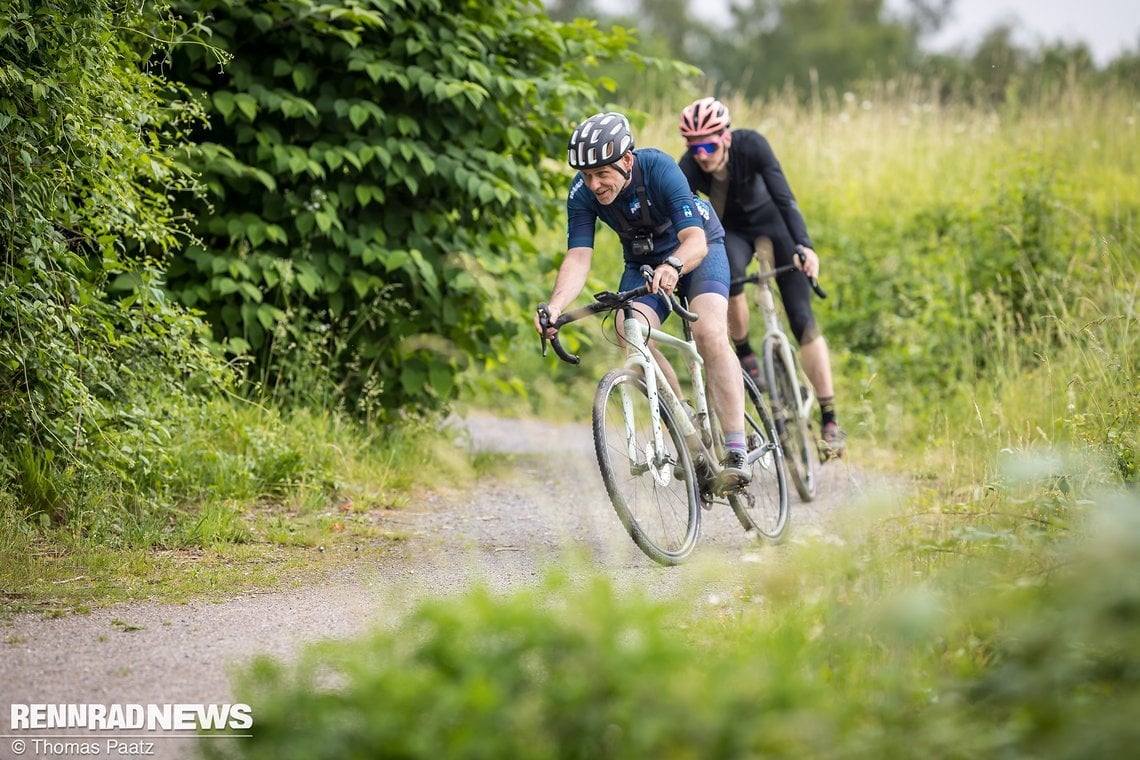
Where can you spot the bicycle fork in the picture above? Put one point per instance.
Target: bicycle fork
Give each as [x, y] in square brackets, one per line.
[805, 396]
[656, 458]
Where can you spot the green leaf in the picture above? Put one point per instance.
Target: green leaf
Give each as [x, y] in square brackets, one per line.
[255, 233]
[268, 316]
[308, 279]
[247, 105]
[357, 115]
[442, 378]
[412, 378]
[224, 102]
[361, 283]
[397, 259]
[363, 194]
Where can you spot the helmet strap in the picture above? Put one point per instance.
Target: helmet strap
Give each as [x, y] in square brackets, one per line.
[617, 167]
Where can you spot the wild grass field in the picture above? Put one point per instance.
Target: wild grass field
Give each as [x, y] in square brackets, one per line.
[982, 269]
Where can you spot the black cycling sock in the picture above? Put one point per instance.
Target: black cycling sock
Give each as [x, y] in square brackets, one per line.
[743, 348]
[827, 410]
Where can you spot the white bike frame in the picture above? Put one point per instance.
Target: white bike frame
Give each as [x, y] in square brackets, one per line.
[700, 440]
[805, 395]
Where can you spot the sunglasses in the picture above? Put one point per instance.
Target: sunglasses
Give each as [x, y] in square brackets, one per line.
[707, 147]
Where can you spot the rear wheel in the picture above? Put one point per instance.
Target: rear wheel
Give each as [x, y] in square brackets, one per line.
[653, 490]
[793, 431]
[763, 506]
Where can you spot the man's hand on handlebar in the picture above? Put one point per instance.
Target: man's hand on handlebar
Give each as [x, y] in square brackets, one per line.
[807, 261]
[665, 279]
[552, 314]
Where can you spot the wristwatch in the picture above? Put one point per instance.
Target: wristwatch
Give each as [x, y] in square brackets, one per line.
[675, 262]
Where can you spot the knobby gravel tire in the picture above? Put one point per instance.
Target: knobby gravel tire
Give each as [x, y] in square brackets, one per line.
[794, 434]
[763, 507]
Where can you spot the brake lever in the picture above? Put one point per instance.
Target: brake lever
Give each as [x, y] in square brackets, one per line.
[799, 254]
[544, 321]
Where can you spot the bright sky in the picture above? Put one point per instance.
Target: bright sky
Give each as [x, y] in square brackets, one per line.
[1109, 27]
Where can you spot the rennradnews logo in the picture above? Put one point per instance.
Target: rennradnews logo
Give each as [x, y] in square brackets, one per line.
[118, 717]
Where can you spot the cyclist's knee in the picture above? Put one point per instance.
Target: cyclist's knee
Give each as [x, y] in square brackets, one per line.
[801, 321]
[646, 314]
[807, 334]
[712, 314]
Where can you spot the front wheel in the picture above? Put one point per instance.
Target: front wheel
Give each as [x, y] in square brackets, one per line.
[763, 506]
[794, 435]
[652, 487]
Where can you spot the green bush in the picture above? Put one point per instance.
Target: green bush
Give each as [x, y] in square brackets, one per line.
[374, 169]
[88, 338]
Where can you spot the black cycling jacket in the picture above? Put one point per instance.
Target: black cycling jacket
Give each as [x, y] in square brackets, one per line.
[757, 188]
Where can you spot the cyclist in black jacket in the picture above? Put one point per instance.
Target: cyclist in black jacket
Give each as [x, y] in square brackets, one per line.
[739, 173]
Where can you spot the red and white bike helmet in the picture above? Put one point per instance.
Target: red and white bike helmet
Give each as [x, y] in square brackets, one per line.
[704, 117]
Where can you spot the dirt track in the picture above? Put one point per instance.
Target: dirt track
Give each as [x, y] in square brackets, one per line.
[499, 533]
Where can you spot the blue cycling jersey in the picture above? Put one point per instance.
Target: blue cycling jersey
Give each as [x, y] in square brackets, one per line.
[670, 200]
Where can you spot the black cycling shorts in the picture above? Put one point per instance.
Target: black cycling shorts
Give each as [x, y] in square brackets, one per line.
[795, 291]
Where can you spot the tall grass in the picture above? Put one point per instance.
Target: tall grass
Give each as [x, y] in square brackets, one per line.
[983, 266]
[240, 495]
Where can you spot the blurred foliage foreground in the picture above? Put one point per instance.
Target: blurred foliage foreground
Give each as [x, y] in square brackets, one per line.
[1020, 644]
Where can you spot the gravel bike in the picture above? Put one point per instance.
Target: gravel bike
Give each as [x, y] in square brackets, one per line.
[659, 456]
[788, 388]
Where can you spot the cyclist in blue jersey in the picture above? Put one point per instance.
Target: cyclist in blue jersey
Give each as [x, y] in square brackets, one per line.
[643, 196]
[740, 174]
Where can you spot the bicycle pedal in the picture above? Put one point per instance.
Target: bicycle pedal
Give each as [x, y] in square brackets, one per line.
[828, 452]
[726, 484]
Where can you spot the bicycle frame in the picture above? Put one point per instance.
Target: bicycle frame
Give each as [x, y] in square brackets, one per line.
[639, 356]
[659, 457]
[804, 393]
[703, 444]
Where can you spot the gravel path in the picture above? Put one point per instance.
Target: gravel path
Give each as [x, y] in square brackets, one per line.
[501, 533]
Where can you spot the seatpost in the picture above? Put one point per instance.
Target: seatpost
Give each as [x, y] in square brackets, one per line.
[763, 254]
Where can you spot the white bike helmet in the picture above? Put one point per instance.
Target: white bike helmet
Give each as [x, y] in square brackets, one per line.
[599, 141]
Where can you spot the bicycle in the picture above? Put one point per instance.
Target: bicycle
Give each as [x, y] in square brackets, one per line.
[788, 389]
[659, 459]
